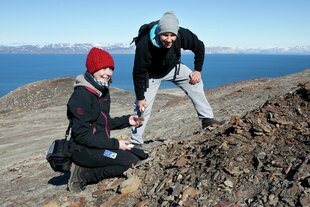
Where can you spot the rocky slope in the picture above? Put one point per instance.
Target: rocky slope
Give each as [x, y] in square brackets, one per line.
[259, 158]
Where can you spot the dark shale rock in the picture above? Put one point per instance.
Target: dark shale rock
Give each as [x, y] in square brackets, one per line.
[260, 158]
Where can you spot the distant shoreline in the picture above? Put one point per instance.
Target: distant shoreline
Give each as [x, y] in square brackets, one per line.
[121, 48]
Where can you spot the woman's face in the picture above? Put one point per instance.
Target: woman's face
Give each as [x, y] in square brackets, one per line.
[103, 75]
[167, 39]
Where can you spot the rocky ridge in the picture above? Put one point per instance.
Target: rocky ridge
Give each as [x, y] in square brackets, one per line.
[259, 158]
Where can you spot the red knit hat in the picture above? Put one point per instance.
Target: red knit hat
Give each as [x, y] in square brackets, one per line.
[98, 59]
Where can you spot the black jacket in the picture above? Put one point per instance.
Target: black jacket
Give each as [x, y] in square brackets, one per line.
[88, 110]
[153, 62]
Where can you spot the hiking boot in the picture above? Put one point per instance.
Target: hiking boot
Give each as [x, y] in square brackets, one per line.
[76, 183]
[209, 122]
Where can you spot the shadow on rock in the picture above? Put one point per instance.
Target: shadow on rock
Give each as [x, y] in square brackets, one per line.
[60, 180]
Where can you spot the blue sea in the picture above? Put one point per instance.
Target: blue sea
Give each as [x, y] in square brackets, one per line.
[219, 69]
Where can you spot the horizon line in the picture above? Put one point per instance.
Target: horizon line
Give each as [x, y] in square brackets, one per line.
[102, 44]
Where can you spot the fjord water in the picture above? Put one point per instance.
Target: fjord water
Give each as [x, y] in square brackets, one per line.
[19, 69]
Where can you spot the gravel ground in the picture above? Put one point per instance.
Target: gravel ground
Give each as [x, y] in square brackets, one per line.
[33, 115]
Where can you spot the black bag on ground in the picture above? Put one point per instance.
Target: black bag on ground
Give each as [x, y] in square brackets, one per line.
[59, 155]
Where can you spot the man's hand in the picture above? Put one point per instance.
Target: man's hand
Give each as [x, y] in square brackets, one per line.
[195, 77]
[142, 105]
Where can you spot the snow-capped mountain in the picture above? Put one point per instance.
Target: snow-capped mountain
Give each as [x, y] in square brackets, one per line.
[121, 48]
[64, 48]
[297, 50]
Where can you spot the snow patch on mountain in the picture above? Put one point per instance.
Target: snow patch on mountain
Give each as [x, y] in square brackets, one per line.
[124, 48]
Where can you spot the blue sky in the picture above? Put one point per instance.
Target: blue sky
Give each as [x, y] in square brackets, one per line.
[231, 23]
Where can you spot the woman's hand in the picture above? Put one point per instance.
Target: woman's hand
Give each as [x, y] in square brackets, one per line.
[135, 120]
[123, 145]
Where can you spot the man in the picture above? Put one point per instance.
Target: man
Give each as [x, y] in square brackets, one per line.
[157, 59]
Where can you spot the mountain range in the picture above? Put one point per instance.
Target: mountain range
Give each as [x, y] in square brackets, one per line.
[121, 48]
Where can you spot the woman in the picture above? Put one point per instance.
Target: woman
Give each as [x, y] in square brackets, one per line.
[97, 155]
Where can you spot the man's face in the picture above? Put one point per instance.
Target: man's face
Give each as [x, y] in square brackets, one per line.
[167, 39]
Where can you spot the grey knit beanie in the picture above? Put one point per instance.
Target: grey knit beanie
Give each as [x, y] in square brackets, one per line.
[168, 23]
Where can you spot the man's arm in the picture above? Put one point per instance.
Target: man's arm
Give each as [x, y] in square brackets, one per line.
[140, 73]
[189, 41]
